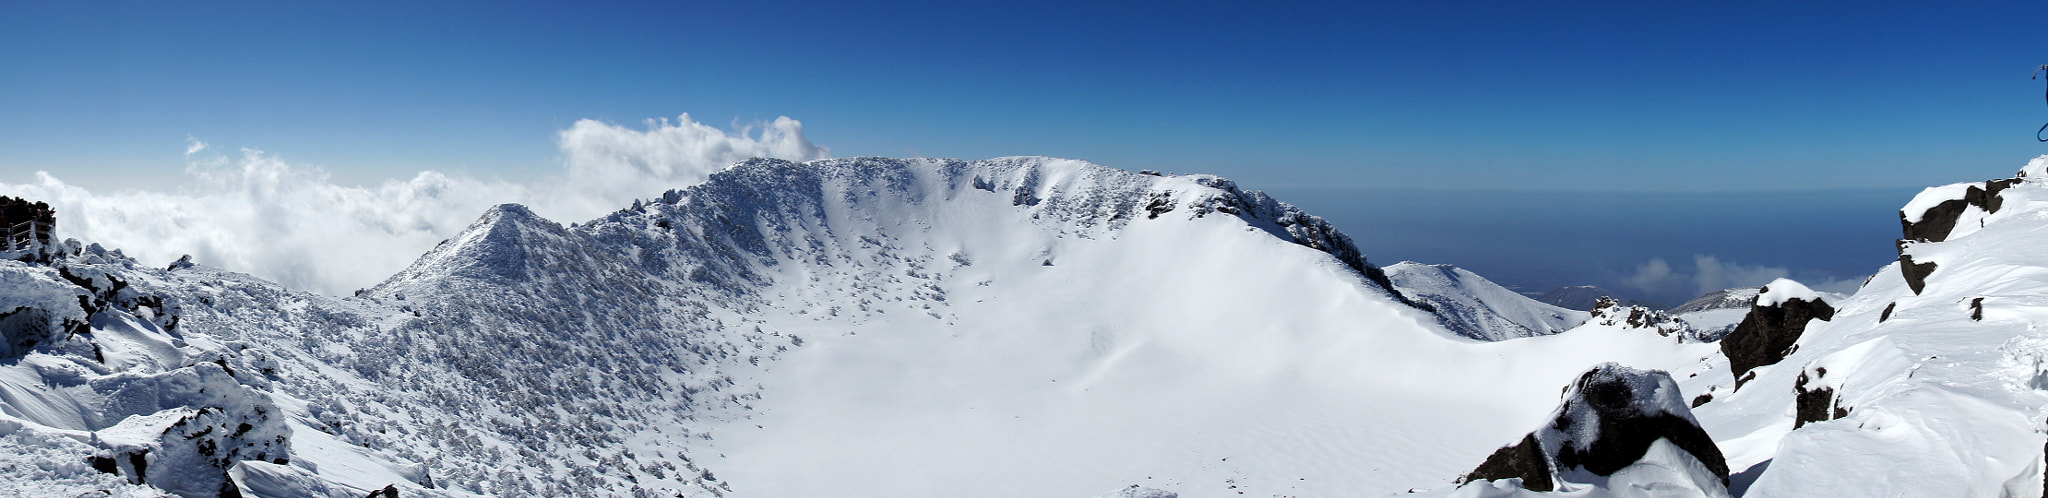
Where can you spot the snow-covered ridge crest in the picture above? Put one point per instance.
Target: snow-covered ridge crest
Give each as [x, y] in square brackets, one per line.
[762, 210]
[1477, 308]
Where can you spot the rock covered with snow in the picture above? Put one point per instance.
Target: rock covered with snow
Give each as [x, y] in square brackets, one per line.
[1610, 420]
[1774, 323]
[38, 309]
[1611, 312]
[1474, 307]
[111, 373]
[1928, 380]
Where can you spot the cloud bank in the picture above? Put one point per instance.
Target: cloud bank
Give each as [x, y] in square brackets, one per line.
[290, 223]
[1658, 278]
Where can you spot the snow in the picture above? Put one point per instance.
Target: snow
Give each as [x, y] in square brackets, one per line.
[1475, 307]
[1015, 327]
[1782, 290]
[1933, 196]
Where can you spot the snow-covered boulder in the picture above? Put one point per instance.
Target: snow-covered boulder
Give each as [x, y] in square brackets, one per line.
[1775, 321]
[1611, 419]
[36, 308]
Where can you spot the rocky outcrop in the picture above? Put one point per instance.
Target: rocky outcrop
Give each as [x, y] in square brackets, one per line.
[1609, 419]
[1935, 216]
[1814, 401]
[1610, 312]
[1935, 223]
[1767, 334]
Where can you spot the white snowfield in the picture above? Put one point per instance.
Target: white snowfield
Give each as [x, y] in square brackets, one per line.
[1024, 327]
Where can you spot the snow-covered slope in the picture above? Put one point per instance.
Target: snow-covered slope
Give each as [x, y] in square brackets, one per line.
[857, 327]
[1018, 327]
[1476, 307]
[1934, 391]
[1010, 327]
[1735, 298]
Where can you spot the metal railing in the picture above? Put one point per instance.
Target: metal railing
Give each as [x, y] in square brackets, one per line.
[27, 234]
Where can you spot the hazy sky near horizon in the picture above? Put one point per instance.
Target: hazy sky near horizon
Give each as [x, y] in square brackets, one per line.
[1616, 96]
[327, 145]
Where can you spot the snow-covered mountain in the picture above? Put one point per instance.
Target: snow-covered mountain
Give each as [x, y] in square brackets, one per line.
[1476, 307]
[1009, 327]
[1734, 298]
[858, 327]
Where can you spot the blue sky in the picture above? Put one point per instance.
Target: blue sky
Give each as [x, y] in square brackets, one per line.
[1616, 96]
[1632, 135]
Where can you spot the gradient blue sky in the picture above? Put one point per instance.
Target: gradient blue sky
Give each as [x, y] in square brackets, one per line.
[1491, 95]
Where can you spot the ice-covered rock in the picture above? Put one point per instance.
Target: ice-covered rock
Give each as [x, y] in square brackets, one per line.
[1611, 419]
[1610, 312]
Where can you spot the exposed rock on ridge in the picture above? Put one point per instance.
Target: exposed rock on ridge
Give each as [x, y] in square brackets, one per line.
[1770, 329]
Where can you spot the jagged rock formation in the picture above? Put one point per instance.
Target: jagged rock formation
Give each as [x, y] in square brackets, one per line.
[1776, 319]
[1609, 419]
[1611, 312]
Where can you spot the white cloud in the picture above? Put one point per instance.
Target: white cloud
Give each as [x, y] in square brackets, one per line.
[608, 162]
[1650, 277]
[291, 224]
[1709, 273]
[1712, 274]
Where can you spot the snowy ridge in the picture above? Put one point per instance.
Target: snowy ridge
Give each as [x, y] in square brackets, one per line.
[1738, 297]
[1012, 327]
[1936, 389]
[1475, 307]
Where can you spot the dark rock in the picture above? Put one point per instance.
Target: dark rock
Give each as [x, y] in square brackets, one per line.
[228, 488]
[1614, 399]
[1915, 273]
[1159, 203]
[1523, 460]
[1977, 309]
[389, 491]
[105, 465]
[1701, 400]
[138, 462]
[1767, 334]
[1611, 312]
[1817, 404]
[1887, 314]
[1938, 222]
